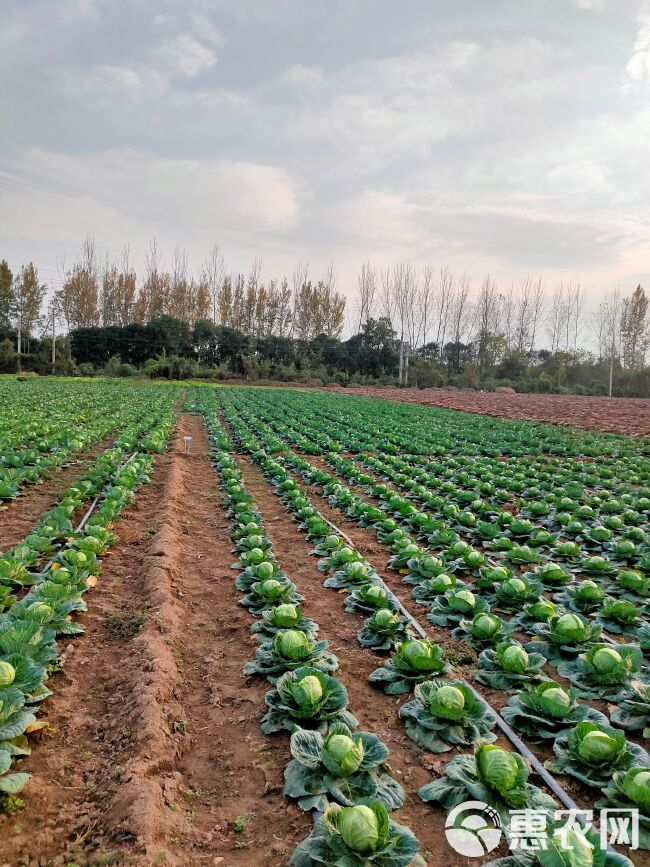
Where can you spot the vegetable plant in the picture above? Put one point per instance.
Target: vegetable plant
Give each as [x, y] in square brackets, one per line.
[444, 715]
[414, 661]
[306, 698]
[290, 649]
[339, 766]
[509, 666]
[358, 836]
[548, 711]
[592, 752]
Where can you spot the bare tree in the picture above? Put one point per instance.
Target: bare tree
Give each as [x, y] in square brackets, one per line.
[537, 309]
[214, 273]
[607, 327]
[555, 319]
[444, 304]
[298, 281]
[425, 301]
[387, 295]
[461, 308]
[367, 283]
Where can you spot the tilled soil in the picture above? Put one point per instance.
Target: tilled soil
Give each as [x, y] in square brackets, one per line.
[17, 517]
[377, 712]
[622, 415]
[154, 753]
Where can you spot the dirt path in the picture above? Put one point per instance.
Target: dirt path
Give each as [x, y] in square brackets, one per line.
[376, 712]
[17, 517]
[622, 415]
[155, 755]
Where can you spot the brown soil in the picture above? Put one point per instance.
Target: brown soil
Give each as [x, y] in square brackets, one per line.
[155, 750]
[623, 415]
[376, 711]
[17, 517]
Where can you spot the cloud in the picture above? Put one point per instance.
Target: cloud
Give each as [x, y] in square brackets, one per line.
[638, 66]
[187, 56]
[125, 195]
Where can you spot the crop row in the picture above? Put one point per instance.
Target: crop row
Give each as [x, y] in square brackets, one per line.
[336, 771]
[506, 663]
[30, 625]
[47, 426]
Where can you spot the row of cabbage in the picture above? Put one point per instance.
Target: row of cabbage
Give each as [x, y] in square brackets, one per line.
[47, 423]
[443, 714]
[337, 771]
[598, 507]
[43, 581]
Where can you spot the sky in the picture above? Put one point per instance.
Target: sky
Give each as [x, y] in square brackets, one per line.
[507, 137]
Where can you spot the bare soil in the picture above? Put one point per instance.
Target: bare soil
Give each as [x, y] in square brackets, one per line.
[622, 415]
[377, 712]
[154, 753]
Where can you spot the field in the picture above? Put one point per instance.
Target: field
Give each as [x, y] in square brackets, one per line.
[206, 645]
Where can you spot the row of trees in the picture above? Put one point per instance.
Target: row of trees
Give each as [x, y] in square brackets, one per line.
[417, 326]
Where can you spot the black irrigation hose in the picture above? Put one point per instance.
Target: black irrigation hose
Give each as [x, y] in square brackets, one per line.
[91, 508]
[514, 739]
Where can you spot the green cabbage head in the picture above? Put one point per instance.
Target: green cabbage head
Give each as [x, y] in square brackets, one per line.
[285, 615]
[307, 692]
[447, 702]
[502, 771]
[363, 829]
[513, 659]
[342, 755]
[292, 644]
[636, 785]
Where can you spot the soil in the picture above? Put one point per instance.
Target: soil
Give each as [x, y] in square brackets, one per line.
[376, 711]
[622, 415]
[17, 517]
[154, 753]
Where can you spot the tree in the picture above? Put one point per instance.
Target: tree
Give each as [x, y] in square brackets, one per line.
[79, 296]
[28, 295]
[367, 284]
[6, 294]
[634, 329]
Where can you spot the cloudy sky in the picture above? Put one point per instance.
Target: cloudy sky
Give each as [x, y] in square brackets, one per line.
[508, 137]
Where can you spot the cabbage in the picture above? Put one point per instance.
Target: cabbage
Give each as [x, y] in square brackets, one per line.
[463, 601]
[485, 626]
[447, 702]
[7, 674]
[285, 615]
[344, 754]
[514, 659]
[569, 628]
[605, 660]
[359, 828]
[597, 747]
[307, 691]
[502, 772]
[636, 785]
[292, 644]
[419, 654]
[553, 700]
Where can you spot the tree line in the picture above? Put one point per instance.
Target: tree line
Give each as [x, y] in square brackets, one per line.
[425, 327]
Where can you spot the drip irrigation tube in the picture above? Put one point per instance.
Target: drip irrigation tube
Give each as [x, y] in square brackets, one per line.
[514, 739]
[88, 513]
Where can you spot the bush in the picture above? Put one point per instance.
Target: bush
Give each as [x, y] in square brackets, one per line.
[85, 369]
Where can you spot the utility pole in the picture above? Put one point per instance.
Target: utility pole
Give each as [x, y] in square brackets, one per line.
[53, 342]
[20, 342]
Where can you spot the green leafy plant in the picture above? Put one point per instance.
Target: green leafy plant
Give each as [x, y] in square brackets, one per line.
[285, 616]
[592, 752]
[288, 650]
[509, 666]
[454, 605]
[414, 661]
[565, 636]
[383, 630]
[340, 766]
[630, 790]
[444, 715]
[483, 630]
[633, 710]
[367, 599]
[358, 836]
[306, 698]
[603, 671]
[548, 711]
[492, 775]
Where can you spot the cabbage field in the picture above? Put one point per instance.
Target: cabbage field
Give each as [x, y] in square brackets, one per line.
[248, 626]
